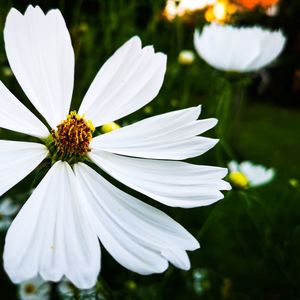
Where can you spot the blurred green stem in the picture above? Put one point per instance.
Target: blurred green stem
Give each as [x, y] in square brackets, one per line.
[230, 96]
[224, 92]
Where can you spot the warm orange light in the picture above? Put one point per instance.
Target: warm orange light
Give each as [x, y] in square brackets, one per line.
[250, 4]
[220, 12]
[185, 6]
[181, 8]
[170, 10]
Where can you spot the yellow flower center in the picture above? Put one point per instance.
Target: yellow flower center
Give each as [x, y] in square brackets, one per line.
[70, 141]
[238, 179]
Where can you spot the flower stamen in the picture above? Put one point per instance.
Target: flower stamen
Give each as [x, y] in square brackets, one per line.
[70, 141]
[238, 179]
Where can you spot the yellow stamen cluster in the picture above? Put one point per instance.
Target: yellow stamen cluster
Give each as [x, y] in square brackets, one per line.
[238, 179]
[73, 136]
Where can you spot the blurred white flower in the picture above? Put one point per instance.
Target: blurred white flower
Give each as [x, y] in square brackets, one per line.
[7, 210]
[233, 49]
[186, 57]
[56, 232]
[34, 289]
[246, 174]
[67, 290]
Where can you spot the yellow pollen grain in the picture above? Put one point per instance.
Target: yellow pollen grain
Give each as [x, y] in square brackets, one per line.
[238, 179]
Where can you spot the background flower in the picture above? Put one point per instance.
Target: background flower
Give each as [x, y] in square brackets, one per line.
[246, 174]
[34, 289]
[238, 49]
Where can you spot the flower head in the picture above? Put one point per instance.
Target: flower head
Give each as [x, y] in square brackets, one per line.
[57, 231]
[246, 174]
[34, 289]
[229, 48]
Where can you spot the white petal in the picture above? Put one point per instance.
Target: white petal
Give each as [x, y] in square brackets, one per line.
[233, 166]
[257, 174]
[272, 44]
[178, 258]
[15, 116]
[209, 43]
[17, 160]
[51, 235]
[130, 79]
[138, 236]
[168, 136]
[238, 49]
[170, 182]
[41, 56]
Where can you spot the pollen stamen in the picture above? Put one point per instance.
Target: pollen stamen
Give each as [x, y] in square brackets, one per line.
[72, 138]
[238, 179]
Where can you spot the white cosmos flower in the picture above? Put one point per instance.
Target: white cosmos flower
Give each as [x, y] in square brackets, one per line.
[34, 289]
[229, 48]
[246, 174]
[7, 210]
[57, 230]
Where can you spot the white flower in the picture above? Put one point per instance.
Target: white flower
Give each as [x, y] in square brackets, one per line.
[7, 210]
[238, 49]
[67, 289]
[246, 174]
[56, 232]
[34, 289]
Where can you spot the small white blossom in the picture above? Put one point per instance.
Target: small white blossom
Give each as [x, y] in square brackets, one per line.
[246, 174]
[34, 289]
